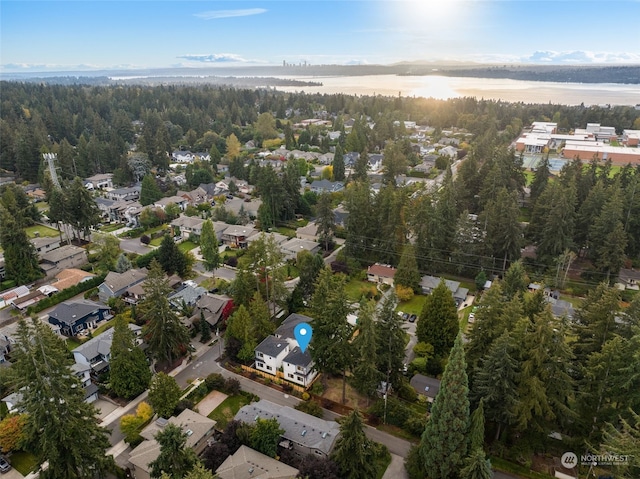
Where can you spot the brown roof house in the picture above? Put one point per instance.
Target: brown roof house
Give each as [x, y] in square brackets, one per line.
[381, 273]
[198, 428]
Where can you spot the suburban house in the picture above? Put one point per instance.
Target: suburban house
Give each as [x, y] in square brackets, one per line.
[249, 463]
[186, 226]
[8, 297]
[214, 307]
[303, 434]
[375, 161]
[236, 235]
[65, 257]
[309, 232]
[115, 284]
[45, 244]
[136, 293]
[425, 386]
[182, 156]
[179, 201]
[429, 283]
[27, 300]
[381, 273]
[71, 277]
[270, 354]
[340, 215]
[99, 181]
[278, 238]
[281, 351]
[198, 428]
[105, 206]
[196, 196]
[83, 373]
[292, 247]
[124, 194]
[326, 186]
[187, 294]
[326, 159]
[629, 278]
[72, 317]
[96, 353]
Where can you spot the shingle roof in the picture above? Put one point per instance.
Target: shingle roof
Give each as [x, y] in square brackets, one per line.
[285, 330]
[425, 385]
[298, 358]
[382, 270]
[299, 427]
[63, 252]
[120, 281]
[69, 312]
[100, 345]
[249, 464]
[272, 346]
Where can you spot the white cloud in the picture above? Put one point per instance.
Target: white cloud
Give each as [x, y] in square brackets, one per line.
[215, 14]
[215, 58]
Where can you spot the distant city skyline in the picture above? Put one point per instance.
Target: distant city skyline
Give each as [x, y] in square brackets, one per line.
[84, 35]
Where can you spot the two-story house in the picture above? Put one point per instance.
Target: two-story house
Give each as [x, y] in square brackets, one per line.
[236, 236]
[73, 317]
[116, 284]
[83, 373]
[270, 354]
[67, 256]
[96, 353]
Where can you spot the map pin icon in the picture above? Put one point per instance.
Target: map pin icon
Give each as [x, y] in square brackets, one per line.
[303, 333]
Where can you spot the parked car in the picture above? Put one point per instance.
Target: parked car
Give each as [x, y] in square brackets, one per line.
[412, 318]
[4, 465]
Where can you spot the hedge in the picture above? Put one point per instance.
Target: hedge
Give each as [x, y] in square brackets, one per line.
[66, 294]
[143, 261]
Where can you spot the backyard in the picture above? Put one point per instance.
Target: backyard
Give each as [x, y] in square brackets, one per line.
[413, 306]
[41, 230]
[227, 410]
[23, 462]
[356, 288]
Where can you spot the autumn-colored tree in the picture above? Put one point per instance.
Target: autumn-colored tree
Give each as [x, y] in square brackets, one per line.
[12, 433]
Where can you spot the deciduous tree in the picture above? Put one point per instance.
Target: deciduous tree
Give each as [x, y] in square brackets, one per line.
[129, 373]
[209, 247]
[164, 394]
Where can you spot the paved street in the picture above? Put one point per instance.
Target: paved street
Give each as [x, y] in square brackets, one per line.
[133, 245]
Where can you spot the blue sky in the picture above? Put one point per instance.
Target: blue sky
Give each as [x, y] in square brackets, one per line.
[70, 35]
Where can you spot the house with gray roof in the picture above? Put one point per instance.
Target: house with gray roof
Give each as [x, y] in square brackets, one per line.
[72, 317]
[124, 194]
[186, 294]
[96, 353]
[198, 428]
[236, 235]
[248, 463]
[270, 353]
[425, 386]
[303, 434]
[292, 247]
[116, 284]
[45, 244]
[67, 256]
[297, 367]
[429, 283]
[326, 186]
[287, 327]
[215, 308]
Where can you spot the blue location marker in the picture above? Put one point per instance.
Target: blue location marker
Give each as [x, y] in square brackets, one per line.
[303, 334]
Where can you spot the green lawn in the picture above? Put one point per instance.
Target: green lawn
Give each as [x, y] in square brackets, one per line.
[186, 246]
[414, 306]
[73, 343]
[42, 230]
[226, 411]
[355, 289]
[110, 228]
[156, 241]
[289, 232]
[23, 462]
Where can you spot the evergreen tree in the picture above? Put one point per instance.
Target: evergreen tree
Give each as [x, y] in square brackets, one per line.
[366, 375]
[494, 383]
[338, 164]
[325, 220]
[540, 180]
[361, 167]
[165, 335]
[129, 373]
[476, 427]
[62, 429]
[82, 210]
[243, 287]
[21, 260]
[515, 280]
[209, 246]
[330, 346]
[205, 329]
[123, 264]
[624, 439]
[172, 259]
[438, 321]
[309, 267]
[407, 273]
[262, 326]
[239, 328]
[444, 442]
[503, 230]
[164, 394]
[264, 258]
[360, 224]
[390, 341]
[477, 466]
[199, 472]
[353, 452]
[149, 191]
[175, 459]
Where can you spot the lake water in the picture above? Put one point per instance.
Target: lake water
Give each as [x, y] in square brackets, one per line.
[441, 87]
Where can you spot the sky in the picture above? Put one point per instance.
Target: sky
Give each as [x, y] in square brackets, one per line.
[82, 35]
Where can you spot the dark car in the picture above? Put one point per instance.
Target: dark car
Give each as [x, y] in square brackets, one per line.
[412, 318]
[4, 465]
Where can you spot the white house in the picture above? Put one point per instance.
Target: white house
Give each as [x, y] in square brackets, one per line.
[270, 354]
